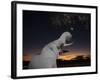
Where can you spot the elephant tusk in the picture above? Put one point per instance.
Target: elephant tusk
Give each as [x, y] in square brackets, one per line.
[68, 44]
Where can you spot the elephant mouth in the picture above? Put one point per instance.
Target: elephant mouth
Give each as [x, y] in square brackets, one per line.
[61, 53]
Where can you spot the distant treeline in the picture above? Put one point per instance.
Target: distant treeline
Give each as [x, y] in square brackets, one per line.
[75, 62]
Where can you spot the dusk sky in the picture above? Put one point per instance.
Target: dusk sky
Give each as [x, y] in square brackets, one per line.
[40, 28]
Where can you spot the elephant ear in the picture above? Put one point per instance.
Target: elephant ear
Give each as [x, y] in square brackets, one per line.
[60, 46]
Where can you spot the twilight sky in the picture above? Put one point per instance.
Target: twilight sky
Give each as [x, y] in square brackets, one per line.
[40, 28]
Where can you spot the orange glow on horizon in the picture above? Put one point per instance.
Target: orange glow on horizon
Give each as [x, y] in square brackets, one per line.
[71, 55]
[65, 56]
[27, 57]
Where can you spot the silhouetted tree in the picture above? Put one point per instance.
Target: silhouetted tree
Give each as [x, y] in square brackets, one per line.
[87, 58]
[79, 58]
